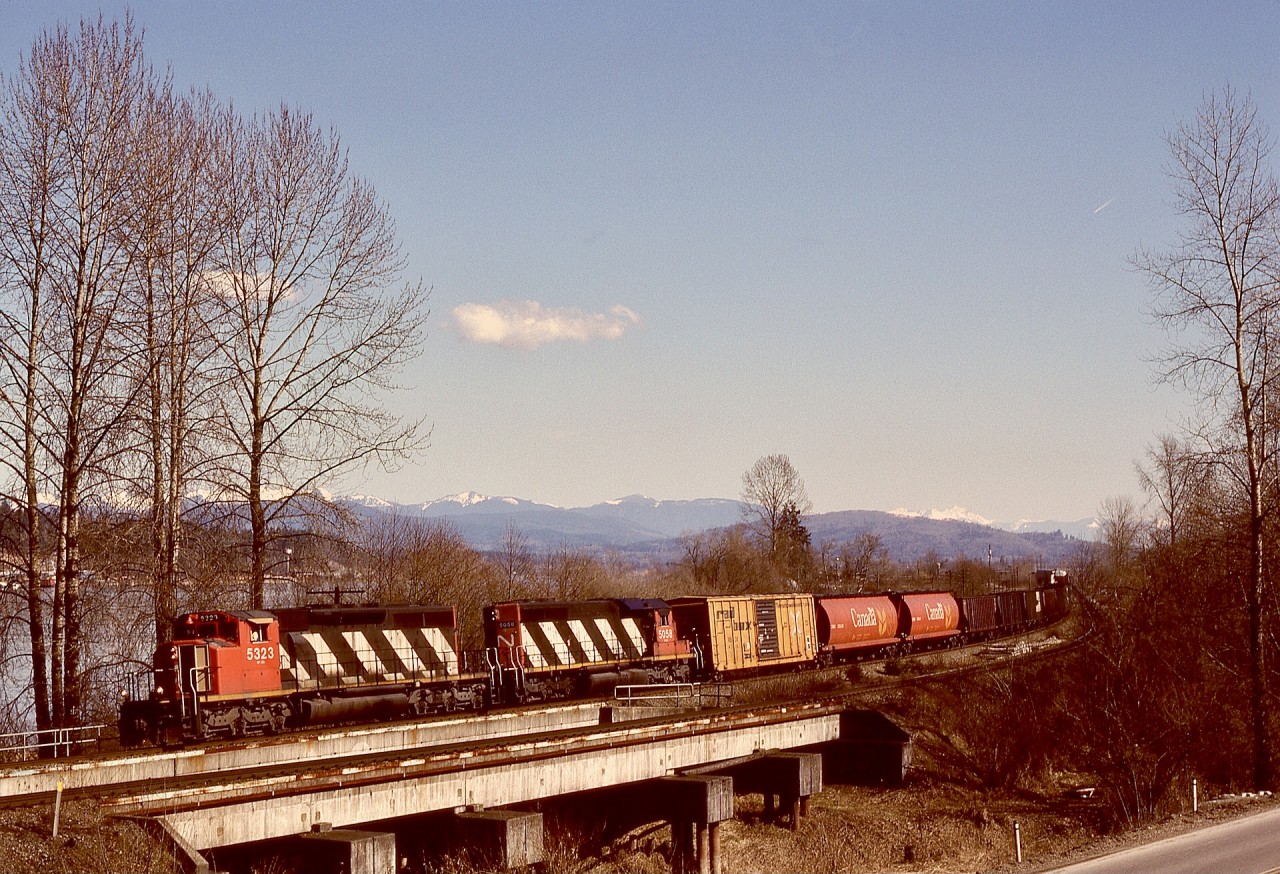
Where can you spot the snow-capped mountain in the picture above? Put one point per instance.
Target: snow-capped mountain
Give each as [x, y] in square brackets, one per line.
[473, 502]
[642, 525]
[369, 502]
[671, 518]
[953, 514]
[1081, 529]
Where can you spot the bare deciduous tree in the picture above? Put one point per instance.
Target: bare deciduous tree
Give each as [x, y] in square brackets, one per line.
[187, 298]
[1216, 294]
[312, 330]
[101, 79]
[773, 492]
[1121, 533]
[570, 575]
[172, 236]
[1175, 478]
[70, 117]
[407, 559]
[516, 566]
[30, 175]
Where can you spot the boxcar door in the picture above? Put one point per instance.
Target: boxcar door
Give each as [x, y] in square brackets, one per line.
[767, 629]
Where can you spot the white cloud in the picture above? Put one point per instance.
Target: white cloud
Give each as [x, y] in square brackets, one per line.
[528, 324]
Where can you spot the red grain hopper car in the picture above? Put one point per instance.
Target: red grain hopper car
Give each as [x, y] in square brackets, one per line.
[855, 626]
[928, 618]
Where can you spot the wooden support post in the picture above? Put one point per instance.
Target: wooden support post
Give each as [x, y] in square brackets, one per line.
[505, 838]
[349, 851]
[715, 848]
[681, 847]
[695, 801]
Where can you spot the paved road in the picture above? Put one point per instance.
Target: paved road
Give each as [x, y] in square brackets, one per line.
[1250, 845]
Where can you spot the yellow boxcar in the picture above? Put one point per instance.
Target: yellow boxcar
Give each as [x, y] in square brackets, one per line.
[749, 632]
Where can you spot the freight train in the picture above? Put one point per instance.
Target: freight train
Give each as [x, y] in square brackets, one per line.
[234, 673]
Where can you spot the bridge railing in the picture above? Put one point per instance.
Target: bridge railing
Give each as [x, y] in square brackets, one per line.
[58, 742]
[674, 695]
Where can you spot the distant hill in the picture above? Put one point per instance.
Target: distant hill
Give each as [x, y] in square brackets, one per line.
[908, 538]
[644, 527]
[635, 523]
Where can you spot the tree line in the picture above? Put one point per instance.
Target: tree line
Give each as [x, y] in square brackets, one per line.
[1175, 678]
[1216, 290]
[192, 302]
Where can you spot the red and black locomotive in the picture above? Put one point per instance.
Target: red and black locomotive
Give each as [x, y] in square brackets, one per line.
[232, 673]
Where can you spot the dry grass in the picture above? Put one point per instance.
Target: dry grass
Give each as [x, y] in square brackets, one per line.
[86, 842]
[851, 829]
[925, 826]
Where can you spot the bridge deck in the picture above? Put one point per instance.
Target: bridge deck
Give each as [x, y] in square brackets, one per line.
[157, 766]
[491, 775]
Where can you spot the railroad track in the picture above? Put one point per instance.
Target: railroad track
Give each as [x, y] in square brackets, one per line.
[366, 769]
[304, 774]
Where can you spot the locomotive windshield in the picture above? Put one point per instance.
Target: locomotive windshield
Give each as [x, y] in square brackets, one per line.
[207, 626]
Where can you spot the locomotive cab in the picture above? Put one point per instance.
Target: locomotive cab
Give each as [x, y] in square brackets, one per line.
[658, 622]
[227, 653]
[214, 654]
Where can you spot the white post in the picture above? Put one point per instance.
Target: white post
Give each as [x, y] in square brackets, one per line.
[1195, 796]
[57, 809]
[1017, 840]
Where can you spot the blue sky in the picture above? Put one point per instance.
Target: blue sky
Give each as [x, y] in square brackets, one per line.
[889, 239]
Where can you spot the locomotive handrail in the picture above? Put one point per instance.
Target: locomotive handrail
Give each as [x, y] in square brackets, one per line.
[495, 672]
[139, 685]
[195, 695]
[521, 655]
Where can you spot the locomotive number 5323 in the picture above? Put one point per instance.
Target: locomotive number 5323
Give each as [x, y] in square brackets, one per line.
[260, 653]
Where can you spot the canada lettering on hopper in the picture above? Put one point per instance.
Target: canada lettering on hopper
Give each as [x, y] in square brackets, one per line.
[865, 620]
[935, 611]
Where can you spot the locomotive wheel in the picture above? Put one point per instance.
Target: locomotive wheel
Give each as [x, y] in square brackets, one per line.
[276, 724]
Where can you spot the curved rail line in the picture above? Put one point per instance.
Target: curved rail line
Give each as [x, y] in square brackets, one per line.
[292, 777]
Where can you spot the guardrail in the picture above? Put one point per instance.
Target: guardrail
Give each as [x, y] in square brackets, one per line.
[60, 742]
[675, 695]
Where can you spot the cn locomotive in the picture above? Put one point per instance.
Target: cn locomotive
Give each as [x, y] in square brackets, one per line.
[232, 673]
[235, 673]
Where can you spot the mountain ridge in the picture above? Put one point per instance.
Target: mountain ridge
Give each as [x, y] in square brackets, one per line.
[643, 526]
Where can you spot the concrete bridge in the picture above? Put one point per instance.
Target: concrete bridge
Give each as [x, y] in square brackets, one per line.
[321, 787]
